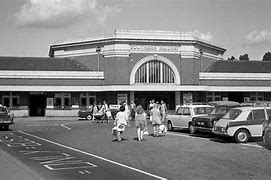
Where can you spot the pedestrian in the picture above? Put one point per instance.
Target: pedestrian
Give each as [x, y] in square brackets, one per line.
[120, 122]
[156, 119]
[133, 110]
[105, 111]
[163, 109]
[127, 109]
[140, 122]
[95, 111]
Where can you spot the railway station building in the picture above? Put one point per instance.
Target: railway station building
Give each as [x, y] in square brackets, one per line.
[130, 65]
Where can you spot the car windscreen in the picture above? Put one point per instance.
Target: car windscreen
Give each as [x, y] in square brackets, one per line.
[219, 110]
[202, 110]
[232, 114]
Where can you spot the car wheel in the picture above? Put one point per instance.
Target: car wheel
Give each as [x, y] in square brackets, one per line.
[169, 126]
[241, 136]
[89, 117]
[191, 129]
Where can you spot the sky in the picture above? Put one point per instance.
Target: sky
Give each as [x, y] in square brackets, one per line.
[29, 27]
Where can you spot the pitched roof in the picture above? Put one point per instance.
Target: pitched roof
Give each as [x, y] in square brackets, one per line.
[228, 66]
[41, 64]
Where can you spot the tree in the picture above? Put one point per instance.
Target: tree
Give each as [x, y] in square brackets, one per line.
[231, 58]
[244, 57]
[267, 56]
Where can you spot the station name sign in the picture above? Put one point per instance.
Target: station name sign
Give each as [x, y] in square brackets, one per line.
[154, 48]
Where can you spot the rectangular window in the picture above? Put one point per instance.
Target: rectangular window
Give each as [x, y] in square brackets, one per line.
[6, 101]
[213, 96]
[186, 111]
[62, 100]
[86, 99]
[257, 96]
[11, 99]
[259, 114]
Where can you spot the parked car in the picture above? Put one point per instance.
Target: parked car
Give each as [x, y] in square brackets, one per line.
[242, 123]
[206, 123]
[87, 113]
[267, 134]
[6, 118]
[184, 114]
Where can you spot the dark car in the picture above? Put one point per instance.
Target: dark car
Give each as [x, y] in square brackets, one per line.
[267, 134]
[85, 113]
[205, 123]
[5, 118]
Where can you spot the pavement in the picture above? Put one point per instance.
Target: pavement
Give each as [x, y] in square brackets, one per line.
[11, 168]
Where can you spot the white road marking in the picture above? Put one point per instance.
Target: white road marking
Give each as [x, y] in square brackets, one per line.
[207, 139]
[252, 145]
[96, 156]
[64, 125]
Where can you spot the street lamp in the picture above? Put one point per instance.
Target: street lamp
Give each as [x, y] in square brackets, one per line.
[200, 60]
[98, 50]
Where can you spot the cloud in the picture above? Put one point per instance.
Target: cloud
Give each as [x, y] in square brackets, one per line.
[62, 13]
[256, 38]
[204, 36]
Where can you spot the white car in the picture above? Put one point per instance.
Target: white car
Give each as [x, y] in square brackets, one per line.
[242, 123]
[184, 114]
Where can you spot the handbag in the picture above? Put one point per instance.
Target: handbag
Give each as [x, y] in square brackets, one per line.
[114, 131]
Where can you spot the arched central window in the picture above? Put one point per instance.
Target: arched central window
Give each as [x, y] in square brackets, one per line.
[154, 72]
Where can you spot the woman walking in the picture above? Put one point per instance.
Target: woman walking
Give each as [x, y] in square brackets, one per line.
[156, 119]
[120, 122]
[140, 122]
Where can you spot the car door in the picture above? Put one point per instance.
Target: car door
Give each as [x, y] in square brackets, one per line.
[176, 119]
[255, 122]
[186, 117]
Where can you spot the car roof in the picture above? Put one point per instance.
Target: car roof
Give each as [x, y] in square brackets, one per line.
[195, 105]
[224, 103]
[249, 108]
[256, 103]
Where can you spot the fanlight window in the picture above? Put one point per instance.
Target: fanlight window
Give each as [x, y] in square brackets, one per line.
[154, 72]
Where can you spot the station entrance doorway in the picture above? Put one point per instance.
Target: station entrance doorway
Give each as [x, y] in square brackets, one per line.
[144, 98]
[37, 104]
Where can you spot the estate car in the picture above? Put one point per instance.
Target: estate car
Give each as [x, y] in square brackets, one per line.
[184, 114]
[241, 123]
[205, 123]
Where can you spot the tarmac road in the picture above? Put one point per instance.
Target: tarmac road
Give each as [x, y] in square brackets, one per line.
[57, 149]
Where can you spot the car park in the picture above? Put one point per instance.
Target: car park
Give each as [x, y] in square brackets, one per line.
[242, 123]
[6, 118]
[205, 123]
[267, 134]
[184, 114]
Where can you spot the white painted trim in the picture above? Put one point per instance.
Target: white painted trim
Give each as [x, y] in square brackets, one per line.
[235, 76]
[159, 58]
[168, 87]
[52, 74]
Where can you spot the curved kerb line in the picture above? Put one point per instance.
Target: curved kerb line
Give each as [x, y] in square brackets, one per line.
[93, 155]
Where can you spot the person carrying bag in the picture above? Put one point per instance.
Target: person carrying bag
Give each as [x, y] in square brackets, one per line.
[120, 122]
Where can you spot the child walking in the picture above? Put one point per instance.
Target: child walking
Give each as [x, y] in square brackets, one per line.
[120, 122]
[140, 122]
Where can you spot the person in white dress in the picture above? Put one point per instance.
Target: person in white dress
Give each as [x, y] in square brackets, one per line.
[120, 122]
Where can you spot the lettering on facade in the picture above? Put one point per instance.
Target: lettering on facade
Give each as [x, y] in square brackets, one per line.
[154, 48]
